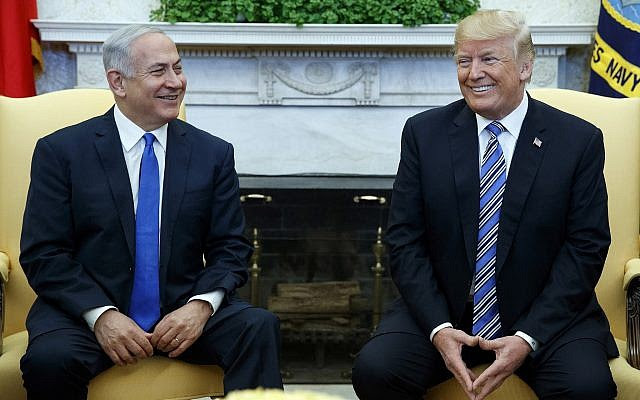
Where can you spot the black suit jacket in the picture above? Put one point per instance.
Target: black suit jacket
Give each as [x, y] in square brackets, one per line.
[78, 236]
[553, 235]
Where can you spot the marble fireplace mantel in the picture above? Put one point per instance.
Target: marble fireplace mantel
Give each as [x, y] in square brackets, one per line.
[319, 99]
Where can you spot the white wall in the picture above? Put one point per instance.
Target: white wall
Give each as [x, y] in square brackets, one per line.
[96, 10]
[537, 11]
[551, 11]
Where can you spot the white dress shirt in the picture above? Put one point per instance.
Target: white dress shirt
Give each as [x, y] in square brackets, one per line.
[513, 124]
[131, 137]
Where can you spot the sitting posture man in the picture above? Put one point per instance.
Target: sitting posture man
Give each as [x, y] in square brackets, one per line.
[498, 233]
[120, 211]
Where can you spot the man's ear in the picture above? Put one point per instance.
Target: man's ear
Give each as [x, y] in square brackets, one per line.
[116, 82]
[526, 69]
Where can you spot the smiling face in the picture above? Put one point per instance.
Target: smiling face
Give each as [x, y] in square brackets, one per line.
[152, 96]
[491, 79]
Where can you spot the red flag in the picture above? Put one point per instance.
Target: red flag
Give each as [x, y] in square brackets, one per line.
[20, 53]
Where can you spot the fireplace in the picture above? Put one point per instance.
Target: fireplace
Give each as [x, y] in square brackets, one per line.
[320, 266]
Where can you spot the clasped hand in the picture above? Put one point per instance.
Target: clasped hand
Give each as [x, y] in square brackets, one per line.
[125, 342]
[510, 351]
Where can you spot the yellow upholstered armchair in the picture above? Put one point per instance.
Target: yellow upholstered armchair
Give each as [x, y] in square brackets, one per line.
[22, 122]
[619, 287]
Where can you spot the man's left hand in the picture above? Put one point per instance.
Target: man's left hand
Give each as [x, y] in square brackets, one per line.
[181, 328]
[511, 352]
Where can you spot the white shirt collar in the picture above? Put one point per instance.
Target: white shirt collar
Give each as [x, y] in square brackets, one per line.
[513, 121]
[130, 133]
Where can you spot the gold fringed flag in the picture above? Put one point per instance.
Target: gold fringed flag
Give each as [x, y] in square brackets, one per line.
[615, 65]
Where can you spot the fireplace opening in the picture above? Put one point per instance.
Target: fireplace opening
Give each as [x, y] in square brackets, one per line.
[321, 267]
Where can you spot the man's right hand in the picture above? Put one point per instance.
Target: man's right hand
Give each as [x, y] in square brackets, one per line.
[121, 338]
[449, 342]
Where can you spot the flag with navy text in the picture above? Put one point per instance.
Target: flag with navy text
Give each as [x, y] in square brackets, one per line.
[615, 64]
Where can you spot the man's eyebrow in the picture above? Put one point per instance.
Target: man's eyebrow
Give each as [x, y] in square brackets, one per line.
[486, 52]
[156, 65]
[479, 53]
[163, 65]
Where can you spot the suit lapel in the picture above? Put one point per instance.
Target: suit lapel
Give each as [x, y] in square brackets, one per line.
[109, 150]
[464, 151]
[522, 172]
[175, 179]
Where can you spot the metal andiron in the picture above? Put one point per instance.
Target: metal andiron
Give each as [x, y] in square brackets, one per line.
[255, 270]
[378, 270]
[378, 252]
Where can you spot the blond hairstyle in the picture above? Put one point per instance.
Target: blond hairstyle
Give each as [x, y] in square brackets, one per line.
[496, 24]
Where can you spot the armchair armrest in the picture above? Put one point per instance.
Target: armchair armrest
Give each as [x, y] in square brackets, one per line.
[4, 267]
[4, 277]
[631, 271]
[631, 284]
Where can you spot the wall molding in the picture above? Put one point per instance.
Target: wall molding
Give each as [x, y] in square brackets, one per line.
[218, 34]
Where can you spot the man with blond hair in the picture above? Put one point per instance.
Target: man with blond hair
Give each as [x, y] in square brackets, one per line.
[120, 212]
[498, 233]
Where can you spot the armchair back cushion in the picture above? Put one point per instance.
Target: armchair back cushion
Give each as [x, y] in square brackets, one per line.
[619, 120]
[22, 122]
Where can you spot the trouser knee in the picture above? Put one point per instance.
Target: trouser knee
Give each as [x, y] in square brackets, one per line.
[367, 377]
[373, 379]
[262, 324]
[602, 388]
[54, 374]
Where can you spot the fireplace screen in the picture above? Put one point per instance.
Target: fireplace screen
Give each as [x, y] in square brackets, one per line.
[319, 265]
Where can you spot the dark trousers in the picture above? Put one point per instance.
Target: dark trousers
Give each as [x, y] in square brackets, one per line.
[246, 344]
[401, 364]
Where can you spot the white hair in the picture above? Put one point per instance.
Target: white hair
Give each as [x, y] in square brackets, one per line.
[116, 50]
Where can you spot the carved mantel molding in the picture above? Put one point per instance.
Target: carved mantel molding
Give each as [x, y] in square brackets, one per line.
[215, 34]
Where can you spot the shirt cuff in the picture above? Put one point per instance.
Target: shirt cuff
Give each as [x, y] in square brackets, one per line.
[214, 298]
[438, 329]
[93, 314]
[532, 342]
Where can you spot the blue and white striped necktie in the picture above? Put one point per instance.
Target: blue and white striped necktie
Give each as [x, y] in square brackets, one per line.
[493, 176]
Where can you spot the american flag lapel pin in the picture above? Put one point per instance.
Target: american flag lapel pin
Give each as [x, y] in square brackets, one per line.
[537, 142]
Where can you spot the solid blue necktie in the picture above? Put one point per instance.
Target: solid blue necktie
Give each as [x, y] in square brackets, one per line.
[145, 296]
[493, 177]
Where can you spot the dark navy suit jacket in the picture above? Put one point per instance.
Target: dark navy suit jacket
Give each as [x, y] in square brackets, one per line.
[78, 237]
[553, 235]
